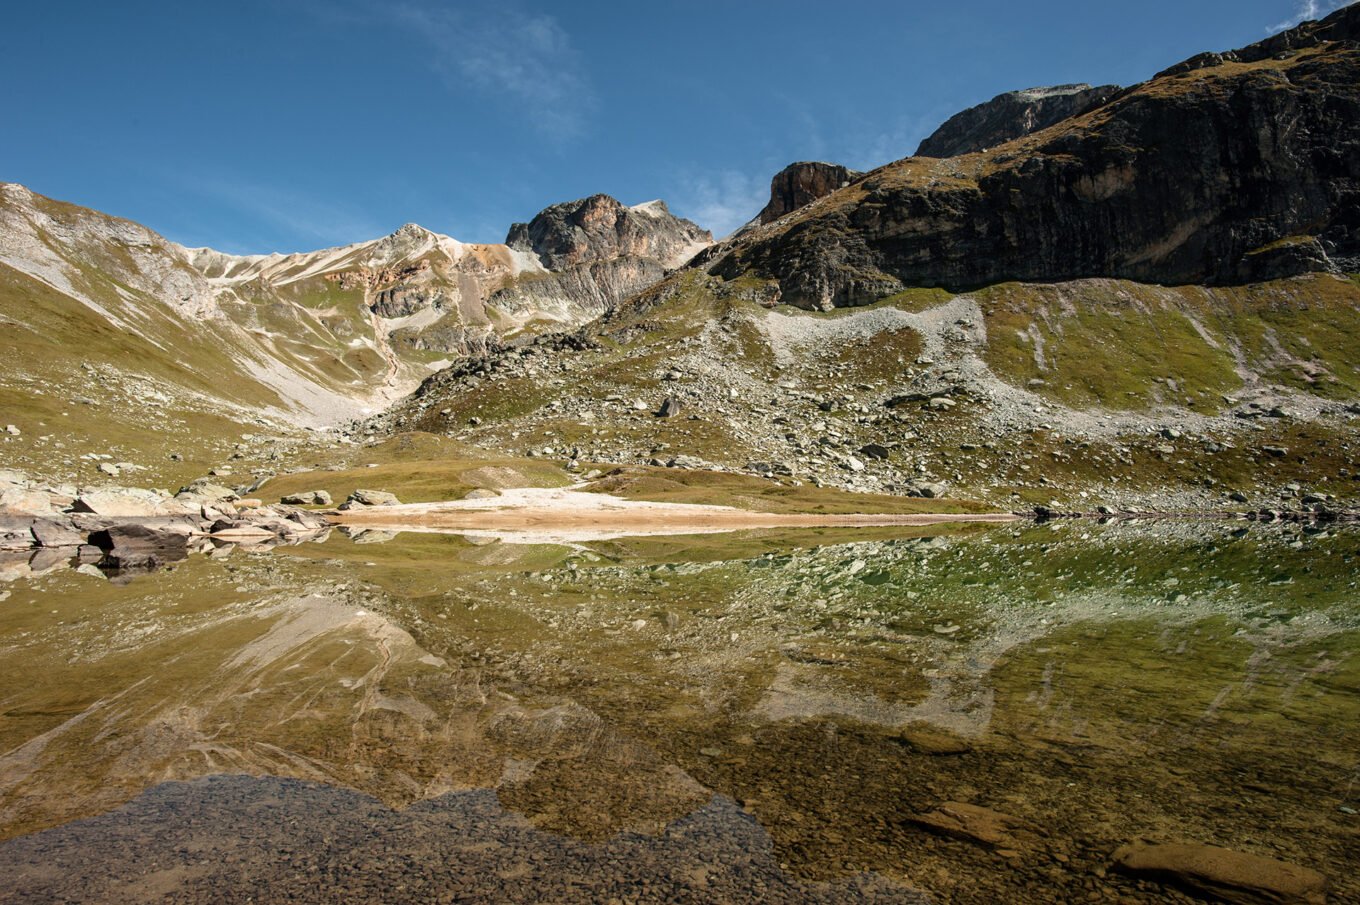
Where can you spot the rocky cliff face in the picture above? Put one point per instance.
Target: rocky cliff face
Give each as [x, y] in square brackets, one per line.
[599, 228]
[1229, 168]
[1012, 115]
[800, 184]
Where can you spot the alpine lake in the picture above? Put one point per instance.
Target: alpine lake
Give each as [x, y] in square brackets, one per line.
[953, 714]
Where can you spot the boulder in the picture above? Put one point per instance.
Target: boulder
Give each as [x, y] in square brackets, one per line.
[206, 491]
[144, 543]
[930, 490]
[54, 533]
[20, 500]
[307, 498]
[16, 533]
[979, 825]
[669, 408]
[373, 498]
[874, 451]
[129, 503]
[480, 493]
[309, 521]
[1226, 875]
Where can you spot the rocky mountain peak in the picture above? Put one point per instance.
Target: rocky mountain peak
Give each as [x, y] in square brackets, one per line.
[1207, 174]
[600, 228]
[1012, 115]
[802, 183]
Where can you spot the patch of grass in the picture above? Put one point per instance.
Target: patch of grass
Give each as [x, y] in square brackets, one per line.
[419, 468]
[1104, 343]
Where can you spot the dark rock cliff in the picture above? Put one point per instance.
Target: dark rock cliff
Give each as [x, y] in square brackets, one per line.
[802, 183]
[1228, 168]
[1012, 115]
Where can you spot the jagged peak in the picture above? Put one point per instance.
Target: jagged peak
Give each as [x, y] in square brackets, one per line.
[414, 231]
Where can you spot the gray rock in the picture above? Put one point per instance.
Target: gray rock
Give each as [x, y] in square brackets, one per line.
[54, 533]
[669, 408]
[144, 543]
[373, 498]
[307, 498]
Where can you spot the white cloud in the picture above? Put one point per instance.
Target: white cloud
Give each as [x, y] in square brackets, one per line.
[525, 57]
[1308, 10]
[721, 202]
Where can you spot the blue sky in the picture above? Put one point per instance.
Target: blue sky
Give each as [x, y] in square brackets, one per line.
[295, 124]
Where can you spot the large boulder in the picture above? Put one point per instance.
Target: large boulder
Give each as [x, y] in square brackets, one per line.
[57, 533]
[373, 498]
[20, 500]
[128, 502]
[145, 543]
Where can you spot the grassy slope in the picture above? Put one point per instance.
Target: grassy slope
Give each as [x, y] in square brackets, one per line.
[1112, 344]
[120, 407]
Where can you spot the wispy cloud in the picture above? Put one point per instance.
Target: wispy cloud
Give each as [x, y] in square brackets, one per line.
[524, 57]
[279, 211]
[721, 202]
[1307, 10]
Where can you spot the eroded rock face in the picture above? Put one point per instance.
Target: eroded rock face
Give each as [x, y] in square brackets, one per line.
[1012, 115]
[1217, 174]
[599, 228]
[802, 183]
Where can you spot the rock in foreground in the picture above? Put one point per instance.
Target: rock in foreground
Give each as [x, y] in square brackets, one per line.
[1226, 875]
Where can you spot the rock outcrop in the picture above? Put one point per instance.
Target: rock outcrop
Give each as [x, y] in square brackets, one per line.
[1012, 115]
[1227, 169]
[599, 228]
[595, 252]
[800, 184]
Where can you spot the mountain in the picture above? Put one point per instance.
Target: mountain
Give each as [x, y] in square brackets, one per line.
[992, 326]
[1012, 115]
[1227, 169]
[1155, 299]
[146, 333]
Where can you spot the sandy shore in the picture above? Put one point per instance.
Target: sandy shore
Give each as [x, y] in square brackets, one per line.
[553, 514]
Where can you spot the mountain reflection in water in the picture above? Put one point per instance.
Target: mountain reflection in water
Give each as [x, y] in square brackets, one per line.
[760, 717]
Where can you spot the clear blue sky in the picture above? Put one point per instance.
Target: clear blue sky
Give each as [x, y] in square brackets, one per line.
[294, 124]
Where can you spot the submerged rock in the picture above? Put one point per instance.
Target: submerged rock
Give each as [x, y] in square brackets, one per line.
[1227, 875]
[980, 825]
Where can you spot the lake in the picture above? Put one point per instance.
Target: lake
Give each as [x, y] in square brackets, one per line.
[955, 713]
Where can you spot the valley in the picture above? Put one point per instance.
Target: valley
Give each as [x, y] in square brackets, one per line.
[979, 526]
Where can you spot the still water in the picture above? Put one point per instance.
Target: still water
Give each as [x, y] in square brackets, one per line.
[722, 718]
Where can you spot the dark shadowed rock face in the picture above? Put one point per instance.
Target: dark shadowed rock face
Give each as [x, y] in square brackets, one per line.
[799, 184]
[1012, 115]
[599, 228]
[1241, 168]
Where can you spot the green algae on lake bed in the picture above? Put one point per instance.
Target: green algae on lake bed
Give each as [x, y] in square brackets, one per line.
[1175, 682]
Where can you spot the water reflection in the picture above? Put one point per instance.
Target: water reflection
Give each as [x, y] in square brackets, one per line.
[1103, 683]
